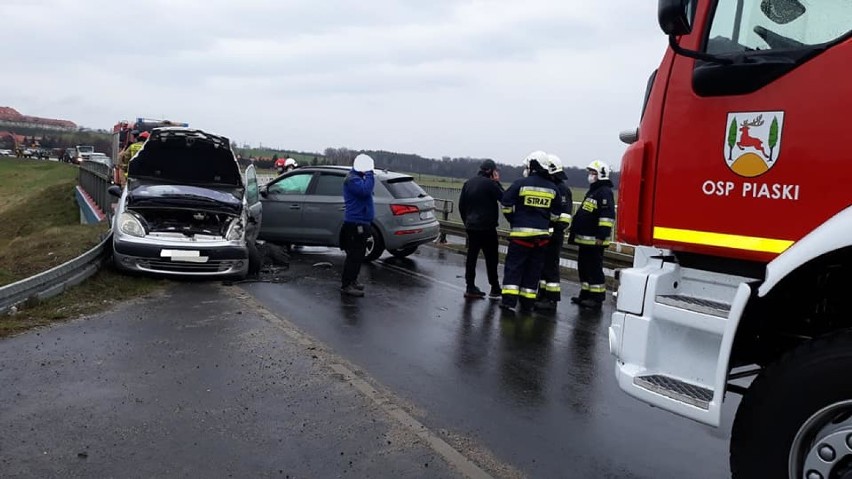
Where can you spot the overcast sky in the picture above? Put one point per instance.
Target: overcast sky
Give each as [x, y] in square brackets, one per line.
[490, 78]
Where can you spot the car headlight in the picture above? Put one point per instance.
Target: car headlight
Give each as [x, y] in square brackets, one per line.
[130, 225]
[235, 231]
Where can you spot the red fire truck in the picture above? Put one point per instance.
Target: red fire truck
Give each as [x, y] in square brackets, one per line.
[735, 186]
[125, 133]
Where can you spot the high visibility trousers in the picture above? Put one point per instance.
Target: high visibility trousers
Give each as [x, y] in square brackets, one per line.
[548, 286]
[524, 261]
[590, 269]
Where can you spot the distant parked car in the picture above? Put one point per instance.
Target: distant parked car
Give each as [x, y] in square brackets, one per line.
[186, 209]
[69, 155]
[100, 158]
[305, 207]
[7, 153]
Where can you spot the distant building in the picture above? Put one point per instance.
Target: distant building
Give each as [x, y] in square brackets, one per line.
[10, 118]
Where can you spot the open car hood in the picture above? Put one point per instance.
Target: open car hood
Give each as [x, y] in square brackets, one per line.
[183, 196]
[186, 156]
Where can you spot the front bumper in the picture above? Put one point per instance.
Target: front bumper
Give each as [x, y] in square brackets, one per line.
[174, 258]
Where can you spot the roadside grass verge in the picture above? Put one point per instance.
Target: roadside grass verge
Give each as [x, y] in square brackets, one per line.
[40, 228]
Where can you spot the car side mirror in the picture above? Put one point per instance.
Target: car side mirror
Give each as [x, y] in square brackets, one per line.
[114, 190]
[675, 17]
[263, 192]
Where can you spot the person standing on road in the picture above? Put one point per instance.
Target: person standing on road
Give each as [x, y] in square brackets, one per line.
[529, 204]
[357, 221]
[590, 231]
[480, 212]
[549, 289]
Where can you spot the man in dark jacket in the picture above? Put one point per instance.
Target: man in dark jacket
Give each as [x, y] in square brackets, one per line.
[478, 207]
[549, 287]
[530, 204]
[590, 231]
[357, 221]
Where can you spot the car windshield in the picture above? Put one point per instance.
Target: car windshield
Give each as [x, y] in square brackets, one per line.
[741, 26]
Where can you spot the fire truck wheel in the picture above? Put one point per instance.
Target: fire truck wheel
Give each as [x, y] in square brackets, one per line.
[796, 418]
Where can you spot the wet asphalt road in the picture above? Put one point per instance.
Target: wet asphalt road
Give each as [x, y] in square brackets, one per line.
[537, 392]
[201, 382]
[192, 383]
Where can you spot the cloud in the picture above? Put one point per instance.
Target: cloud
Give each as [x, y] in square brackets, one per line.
[479, 78]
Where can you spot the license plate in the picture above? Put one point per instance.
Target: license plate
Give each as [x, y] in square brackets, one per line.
[187, 256]
[426, 215]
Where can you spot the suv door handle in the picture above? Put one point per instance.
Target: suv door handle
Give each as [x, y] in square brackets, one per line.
[295, 207]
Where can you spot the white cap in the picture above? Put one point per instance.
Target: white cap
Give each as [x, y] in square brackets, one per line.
[363, 163]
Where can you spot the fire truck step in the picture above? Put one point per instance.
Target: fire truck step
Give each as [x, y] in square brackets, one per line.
[676, 389]
[698, 305]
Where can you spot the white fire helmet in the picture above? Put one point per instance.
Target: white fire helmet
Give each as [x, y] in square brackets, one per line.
[290, 163]
[600, 168]
[539, 157]
[555, 166]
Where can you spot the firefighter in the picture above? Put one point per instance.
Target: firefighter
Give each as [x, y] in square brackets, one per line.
[529, 205]
[549, 290]
[128, 154]
[590, 231]
[283, 166]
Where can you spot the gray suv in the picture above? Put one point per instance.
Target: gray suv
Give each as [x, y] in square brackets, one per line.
[305, 207]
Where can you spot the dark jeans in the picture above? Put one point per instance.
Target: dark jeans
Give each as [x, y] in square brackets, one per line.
[590, 269]
[485, 240]
[354, 241]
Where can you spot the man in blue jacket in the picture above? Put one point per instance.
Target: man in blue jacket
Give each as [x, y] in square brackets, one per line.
[357, 221]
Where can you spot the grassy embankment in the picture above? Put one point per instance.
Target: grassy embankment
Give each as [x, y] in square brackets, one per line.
[39, 229]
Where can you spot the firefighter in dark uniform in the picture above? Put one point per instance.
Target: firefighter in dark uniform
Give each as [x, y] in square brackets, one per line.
[590, 231]
[529, 205]
[549, 290]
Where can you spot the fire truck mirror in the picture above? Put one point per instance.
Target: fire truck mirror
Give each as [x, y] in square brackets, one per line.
[782, 11]
[675, 16]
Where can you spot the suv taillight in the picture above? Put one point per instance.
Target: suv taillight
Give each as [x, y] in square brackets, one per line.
[399, 210]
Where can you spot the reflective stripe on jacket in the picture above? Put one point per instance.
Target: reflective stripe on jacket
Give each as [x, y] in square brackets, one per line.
[529, 204]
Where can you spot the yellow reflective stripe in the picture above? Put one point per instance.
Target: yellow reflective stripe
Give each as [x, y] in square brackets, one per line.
[529, 293]
[584, 286]
[606, 222]
[536, 191]
[552, 287]
[748, 243]
[585, 240]
[564, 218]
[597, 288]
[525, 232]
[511, 290]
[509, 209]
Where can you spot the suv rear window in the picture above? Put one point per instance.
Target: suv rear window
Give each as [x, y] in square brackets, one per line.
[405, 187]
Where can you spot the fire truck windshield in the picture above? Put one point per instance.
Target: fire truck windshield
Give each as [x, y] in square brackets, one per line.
[741, 26]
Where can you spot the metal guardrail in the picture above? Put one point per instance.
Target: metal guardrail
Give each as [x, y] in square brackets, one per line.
[95, 178]
[56, 280]
[612, 259]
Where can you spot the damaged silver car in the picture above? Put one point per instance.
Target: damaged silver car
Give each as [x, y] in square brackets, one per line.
[186, 209]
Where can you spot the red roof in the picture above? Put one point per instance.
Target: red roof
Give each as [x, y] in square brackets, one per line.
[12, 115]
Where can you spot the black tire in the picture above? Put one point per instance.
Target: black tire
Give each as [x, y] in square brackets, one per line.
[782, 399]
[255, 259]
[375, 245]
[403, 252]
